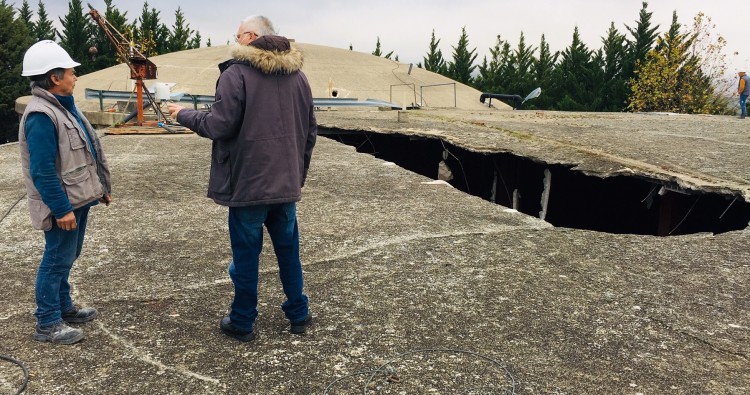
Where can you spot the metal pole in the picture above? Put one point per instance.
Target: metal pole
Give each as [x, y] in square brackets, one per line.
[139, 95]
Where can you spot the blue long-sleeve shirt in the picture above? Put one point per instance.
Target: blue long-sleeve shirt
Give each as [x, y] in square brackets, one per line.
[41, 138]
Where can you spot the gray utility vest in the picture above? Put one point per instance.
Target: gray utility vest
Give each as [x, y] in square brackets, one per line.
[82, 178]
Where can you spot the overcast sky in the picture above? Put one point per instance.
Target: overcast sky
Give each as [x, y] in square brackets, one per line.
[405, 26]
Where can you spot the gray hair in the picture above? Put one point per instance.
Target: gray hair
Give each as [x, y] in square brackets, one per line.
[44, 81]
[258, 24]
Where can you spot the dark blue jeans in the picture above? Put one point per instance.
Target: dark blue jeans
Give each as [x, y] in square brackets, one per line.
[62, 248]
[246, 236]
[743, 104]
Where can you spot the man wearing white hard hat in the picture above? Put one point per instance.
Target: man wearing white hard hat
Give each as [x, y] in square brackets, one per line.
[66, 173]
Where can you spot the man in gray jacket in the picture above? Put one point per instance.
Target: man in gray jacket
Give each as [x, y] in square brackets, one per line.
[263, 130]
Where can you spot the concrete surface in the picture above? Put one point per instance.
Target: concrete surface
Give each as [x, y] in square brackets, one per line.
[440, 291]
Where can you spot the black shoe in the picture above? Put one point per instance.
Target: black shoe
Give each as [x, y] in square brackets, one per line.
[78, 316]
[300, 327]
[232, 330]
[58, 333]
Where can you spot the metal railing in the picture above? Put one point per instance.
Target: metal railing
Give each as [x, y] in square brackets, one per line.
[101, 95]
[122, 95]
[421, 95]
[413, 88]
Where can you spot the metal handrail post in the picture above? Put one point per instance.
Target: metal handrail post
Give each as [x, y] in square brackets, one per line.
[413, 88]
[421, 93]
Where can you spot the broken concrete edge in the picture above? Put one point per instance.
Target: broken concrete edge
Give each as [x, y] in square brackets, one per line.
[653, 175]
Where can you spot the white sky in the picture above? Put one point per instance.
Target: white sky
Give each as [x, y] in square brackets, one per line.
[405, 26]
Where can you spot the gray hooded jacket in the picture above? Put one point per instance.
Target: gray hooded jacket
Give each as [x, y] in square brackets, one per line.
[262, 125]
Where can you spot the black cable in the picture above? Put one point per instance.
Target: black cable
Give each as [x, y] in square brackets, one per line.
[686, 215]
[466, 180]
[12, 207]
[25, 372]
[367, 140]
[500, 173]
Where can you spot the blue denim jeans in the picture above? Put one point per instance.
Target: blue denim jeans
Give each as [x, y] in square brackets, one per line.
[62, 248]
[246, 236]
[743, 104]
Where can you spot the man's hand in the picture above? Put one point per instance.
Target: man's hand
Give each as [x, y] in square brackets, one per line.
[67, 222]
[174, 109]
[106, 199]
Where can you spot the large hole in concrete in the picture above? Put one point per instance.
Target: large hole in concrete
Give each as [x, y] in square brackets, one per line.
[617, 204]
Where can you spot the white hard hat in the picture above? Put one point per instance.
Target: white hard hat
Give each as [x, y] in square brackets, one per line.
[45, 56]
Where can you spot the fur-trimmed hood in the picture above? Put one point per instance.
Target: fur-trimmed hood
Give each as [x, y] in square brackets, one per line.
[270, 54]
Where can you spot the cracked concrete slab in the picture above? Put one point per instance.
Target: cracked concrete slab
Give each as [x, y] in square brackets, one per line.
[699, 152]
[415, 287]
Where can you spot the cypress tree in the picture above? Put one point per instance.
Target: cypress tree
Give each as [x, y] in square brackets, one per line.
[644, 36]
[462, 66]
[152, 36]
[16, 40]
[614, 89]
[522, 80]
[377, 51]
[76, 37]
[488, 79]
[573, 76]
[106, 53]
[196, 41]
[434, 61]
[25, 15]
[595, 95]
[180, 36]
[543, 69]
[42, 28]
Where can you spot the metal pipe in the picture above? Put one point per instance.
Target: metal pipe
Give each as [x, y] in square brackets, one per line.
[517, 100]
[134, 113]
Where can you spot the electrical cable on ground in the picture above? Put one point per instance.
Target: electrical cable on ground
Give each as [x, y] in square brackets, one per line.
[387, 371]
[22, 388]
[12, 207]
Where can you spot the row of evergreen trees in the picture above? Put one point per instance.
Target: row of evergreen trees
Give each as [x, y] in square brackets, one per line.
[681, 70]
[84, 41]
